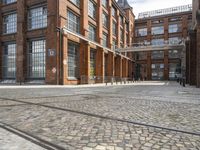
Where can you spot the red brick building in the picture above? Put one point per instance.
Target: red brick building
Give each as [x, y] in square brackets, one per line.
[193, 48]
[65, 41]
[157, 28]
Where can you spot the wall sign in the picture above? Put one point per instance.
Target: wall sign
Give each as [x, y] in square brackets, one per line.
[51, 52]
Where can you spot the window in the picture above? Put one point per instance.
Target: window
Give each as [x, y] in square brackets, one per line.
[121, 35]
[141, 55]
[157, 30]
[174, 70]
[10, 23]
[37, 18]
[73, 60]
[174, 54]
[92, 33]
[157, 55]
[121, 20]
[8, 1]
[114, 28]
[113, 11]
[73, 22]
[157, 42]
[174, 28]
[37, 59]
[141, 32]
[76, 2]
[92, 9]
[9, 60]
[127, 27]
[105, 40]
[92, 63]
[104, 3]
[114, 43]
[157, 71]
[174, 40]
[105, 20]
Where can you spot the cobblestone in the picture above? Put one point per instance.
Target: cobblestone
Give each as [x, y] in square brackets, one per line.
[87, 126]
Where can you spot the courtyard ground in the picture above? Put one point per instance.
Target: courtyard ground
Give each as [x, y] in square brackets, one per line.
[142, 115]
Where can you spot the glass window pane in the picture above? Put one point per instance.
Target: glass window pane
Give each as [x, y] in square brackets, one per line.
[9, 60]
[37, 59]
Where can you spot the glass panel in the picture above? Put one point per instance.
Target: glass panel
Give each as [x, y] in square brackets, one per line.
[37, 59]
[157, 55]
[141, 32]
[157, 71]
[92, 33]
[92, 9]
[157, 30]
[174, 70]
[37, 18]
[8, 1]
[10, 23]
[73, 60]
[76, 2]
[73, 22]
[92, 63]
[175, 28]
[9, 61]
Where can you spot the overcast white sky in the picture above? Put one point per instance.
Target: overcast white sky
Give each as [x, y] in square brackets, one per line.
[148, 5]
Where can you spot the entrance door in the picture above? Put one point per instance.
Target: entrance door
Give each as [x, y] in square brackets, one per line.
[157, 71]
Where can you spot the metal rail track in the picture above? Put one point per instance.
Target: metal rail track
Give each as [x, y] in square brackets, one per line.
[29, 137]
[105, 117]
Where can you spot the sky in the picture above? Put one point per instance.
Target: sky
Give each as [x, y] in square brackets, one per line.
[148, 5]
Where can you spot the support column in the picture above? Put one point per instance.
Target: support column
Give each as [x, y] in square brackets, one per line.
[149, 71]
[166, 65]
[1, 49]
[65, 58]
[53, 66]
[193, 61]
[187, 62]
[21, 41]
[198, 56]
[111, 60]
[85, 62]
[118, 66]
[100, 65]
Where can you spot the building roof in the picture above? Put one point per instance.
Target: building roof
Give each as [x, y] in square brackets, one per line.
[123, 4]
[165, 11]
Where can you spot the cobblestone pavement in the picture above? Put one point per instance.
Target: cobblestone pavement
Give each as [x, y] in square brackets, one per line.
[107, 118]
[9, 141]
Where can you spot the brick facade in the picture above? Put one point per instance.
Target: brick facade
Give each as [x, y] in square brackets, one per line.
[165, 21]
[193, 48]
[56, 66]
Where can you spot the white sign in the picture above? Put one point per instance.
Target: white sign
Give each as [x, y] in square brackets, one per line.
[54, 70]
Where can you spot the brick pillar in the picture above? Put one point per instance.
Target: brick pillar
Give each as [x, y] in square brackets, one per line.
[110, 39]
[65, 58]
[149, 76]
[111, 60]
[21, 41]
[118, 66]
[187, 62]
[123, 68]
[52, 42]
[1, 53]
[166, 65]
[118, 29]
[192, 55]
[99, 21]
[85, 62]
[198, 56]
[100, 65]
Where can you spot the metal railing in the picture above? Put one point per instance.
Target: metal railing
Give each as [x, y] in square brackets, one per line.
[165, 11]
